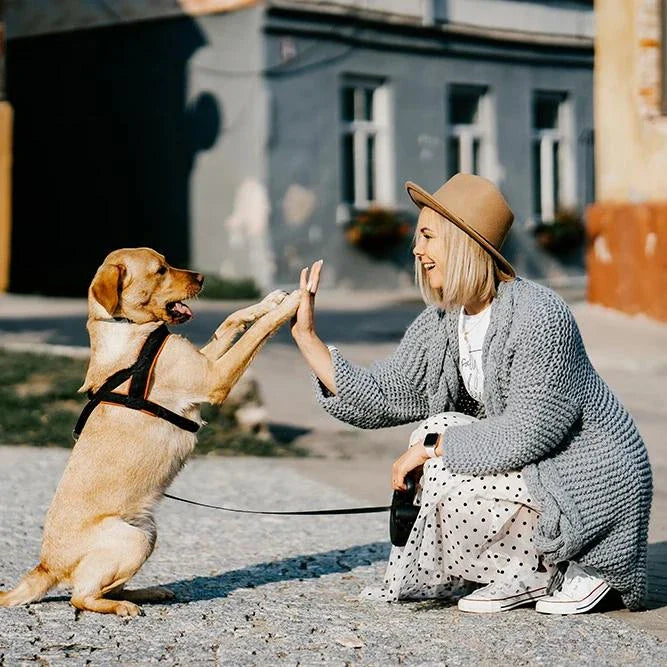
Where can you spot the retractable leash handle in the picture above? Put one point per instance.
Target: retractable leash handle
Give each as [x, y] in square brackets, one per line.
[403, 513]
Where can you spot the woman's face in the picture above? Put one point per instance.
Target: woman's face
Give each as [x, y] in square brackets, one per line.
[429, 249]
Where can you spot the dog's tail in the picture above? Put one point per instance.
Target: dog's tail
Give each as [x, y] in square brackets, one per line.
[32, 587]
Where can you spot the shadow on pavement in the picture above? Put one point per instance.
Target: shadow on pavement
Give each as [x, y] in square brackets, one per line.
[311, 566]
[656, 597]
[287, 433]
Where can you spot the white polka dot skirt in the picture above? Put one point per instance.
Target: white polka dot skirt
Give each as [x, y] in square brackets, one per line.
[469, 529]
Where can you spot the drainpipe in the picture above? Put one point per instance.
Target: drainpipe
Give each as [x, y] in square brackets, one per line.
[6, 118]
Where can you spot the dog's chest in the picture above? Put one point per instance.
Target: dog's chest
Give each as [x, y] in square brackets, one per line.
[180, 448]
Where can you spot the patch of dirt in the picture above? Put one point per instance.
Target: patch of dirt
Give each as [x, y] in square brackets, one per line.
[36, 385]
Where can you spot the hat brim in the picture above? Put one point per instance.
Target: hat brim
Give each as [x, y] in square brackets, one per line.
[422, 198]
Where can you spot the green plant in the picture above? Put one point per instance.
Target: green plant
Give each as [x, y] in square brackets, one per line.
[377, 230]
[564, 235]
[216, 287]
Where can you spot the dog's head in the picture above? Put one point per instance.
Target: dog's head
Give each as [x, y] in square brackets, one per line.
[138, 284]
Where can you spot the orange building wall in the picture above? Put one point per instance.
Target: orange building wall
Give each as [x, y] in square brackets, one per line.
[627, 257]
[627, 227]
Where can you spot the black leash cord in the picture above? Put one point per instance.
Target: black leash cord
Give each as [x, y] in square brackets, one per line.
[351, 510]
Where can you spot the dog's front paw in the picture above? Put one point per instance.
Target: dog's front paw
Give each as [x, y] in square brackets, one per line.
[125, 608]
[275, 298]
[292, 301]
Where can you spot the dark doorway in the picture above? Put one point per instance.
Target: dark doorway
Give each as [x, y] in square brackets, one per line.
[103, 146]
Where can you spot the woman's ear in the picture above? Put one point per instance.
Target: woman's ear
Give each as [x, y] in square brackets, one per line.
[107, 285]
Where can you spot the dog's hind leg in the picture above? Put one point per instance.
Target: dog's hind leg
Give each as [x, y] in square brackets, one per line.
[234, 325]
[119, 551]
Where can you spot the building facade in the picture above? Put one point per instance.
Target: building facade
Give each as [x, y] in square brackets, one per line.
[241, 138]
[627, 256]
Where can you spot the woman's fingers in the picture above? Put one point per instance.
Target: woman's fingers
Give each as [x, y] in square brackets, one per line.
[408, 461]
[315, 276]
[398, 477]
[310, 280]
[303, 322]
[305, 305]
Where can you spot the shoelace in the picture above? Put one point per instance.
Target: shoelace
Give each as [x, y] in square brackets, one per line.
[575, 582]
[510, 586]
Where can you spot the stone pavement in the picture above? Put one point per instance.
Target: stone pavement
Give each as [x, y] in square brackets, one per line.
[629, 352]
[268, 590]
[277, 586]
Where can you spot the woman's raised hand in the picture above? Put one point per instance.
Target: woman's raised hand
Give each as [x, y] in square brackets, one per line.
[303, 323]
[315, 352]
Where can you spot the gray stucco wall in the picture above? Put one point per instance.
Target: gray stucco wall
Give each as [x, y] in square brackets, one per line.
[229, 211]
[304, 151]
[216, 139]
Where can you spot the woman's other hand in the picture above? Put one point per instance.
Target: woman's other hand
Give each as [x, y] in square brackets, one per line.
[413, 458]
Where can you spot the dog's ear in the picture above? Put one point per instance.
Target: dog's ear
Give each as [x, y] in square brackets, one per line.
[107, 285]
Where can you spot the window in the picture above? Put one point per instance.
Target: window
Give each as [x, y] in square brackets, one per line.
[367, 160]
[468, 130]
[552, 155]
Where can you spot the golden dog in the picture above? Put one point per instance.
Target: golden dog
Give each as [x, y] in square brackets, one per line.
[100, 528]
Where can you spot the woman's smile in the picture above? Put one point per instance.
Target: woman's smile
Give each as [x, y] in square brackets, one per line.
[429, 252]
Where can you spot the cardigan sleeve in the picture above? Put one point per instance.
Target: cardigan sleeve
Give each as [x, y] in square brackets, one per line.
[543, 407]
[390, 392]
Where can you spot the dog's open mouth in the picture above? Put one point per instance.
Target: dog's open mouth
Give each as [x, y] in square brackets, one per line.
[178, 312]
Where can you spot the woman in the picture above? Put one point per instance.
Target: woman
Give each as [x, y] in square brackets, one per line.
[536, 482]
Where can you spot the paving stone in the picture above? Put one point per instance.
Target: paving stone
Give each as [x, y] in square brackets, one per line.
[270, 590]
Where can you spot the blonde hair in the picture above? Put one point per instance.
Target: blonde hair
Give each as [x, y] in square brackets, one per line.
[469, 273]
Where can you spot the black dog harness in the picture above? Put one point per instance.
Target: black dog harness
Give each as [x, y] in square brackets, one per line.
[140, 373]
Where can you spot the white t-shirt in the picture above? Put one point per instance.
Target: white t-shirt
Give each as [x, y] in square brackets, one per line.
[472, 330]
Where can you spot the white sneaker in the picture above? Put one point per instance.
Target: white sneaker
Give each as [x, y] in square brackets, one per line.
[580, 591]
[502, 595]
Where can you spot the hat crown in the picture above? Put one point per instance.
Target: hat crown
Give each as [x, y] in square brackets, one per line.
[479, 204]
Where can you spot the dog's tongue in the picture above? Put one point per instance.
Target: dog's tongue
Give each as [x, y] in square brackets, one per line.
[182, 309]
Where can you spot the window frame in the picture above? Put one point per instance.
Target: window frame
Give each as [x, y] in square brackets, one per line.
[467, 133]
[380, 128]
[563, 196]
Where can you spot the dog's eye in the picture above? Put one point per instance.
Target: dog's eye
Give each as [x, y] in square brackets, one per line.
[162, 270]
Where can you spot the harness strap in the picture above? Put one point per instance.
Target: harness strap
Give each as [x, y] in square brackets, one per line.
[139, 375]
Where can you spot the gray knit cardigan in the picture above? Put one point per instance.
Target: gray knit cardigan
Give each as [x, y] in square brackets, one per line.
[548, 414]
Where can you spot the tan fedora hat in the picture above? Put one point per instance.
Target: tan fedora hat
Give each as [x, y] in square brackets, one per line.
[476, 206]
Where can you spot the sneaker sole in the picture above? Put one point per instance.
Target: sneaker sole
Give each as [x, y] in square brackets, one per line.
[494, 606]
[574, 606]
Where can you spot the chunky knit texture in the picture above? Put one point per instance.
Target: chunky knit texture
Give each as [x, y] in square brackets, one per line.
[548, 413]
